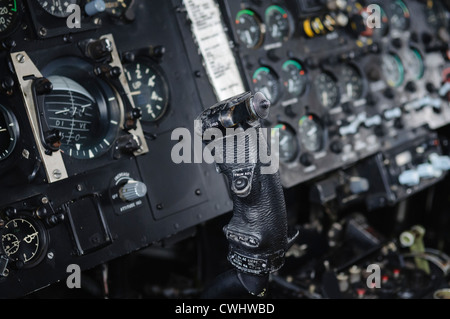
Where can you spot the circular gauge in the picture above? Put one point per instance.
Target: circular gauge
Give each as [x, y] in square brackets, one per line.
[436, 15]
[266, 81]
[278, 22]
[249, 29]
[9, 132]
[9, 16]
[327, 90]
[399, 15]
[353, 82]
[149, 89]
[294, 77]
[57, 8]
[285, 136]
[393, 70]
[413, 63]
[82, 107]
[116, 8]
[311, 133]
[375, 30]
[23, 241]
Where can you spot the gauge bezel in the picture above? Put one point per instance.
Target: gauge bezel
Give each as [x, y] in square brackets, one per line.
[406, 14]
[14, 130]
[306, 74]
[289, 20]
[336, 82]
[259, 22]
[318, 121]
[77, 2]
[42, 235]
[364, 82]
[399, 65]
[160, 72]
[294, 135]
[15, 23]
[416, 51]
[277, 81]
[108, 102]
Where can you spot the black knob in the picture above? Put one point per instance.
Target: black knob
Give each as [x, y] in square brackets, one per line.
[53, 136]
[158, 51]
[411, 87]
[397, 42]
[306, 159]
[43, 86]
[398, 123]
[99, 49]
[374, 74]
[10, 212]
[379, 130]
[347, 107]
[430, 87]
[272, 55]
[7, 83]
[336, 147]
[389, 93]
[370, 100]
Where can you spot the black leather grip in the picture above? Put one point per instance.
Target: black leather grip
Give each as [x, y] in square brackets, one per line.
[257, 231]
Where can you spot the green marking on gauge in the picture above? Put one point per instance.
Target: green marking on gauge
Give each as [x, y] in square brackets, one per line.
[292, 62]
[258, 71]
[15, 6]
[244, 12]
[420, 59]
[404, 8]
[277, 8]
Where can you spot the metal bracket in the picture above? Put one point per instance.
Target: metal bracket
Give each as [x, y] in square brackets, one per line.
[27, 71]
[116, 62]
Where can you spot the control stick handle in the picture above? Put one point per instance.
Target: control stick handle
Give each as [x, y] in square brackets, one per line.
[257, 232]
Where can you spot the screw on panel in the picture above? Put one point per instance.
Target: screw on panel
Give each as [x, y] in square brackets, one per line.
[50, 255]
[42, 31]
[44, 200]
[26, 154]
[20, 58]
[57, 174]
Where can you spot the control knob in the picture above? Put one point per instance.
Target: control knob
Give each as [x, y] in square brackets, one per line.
[132, 191]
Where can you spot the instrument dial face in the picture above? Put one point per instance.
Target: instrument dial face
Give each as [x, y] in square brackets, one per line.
[353, 82]
[249, 29]
[414, 64]
[436, 15]
[294, 78]
[23, 240]
[399, 15]
[266, 81]
[9, 131]
[327, 90]
[289, 148]
[8, 16]
[88, 125]
[278, 23]
[311, 133]
[116, 8]
[57, 8]
[149, 89]
[393, 70]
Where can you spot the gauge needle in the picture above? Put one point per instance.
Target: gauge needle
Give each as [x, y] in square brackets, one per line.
[14, 245]
[28, 239]
[62, 111]
[312, 131]
[284, 140]
[325, 97]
